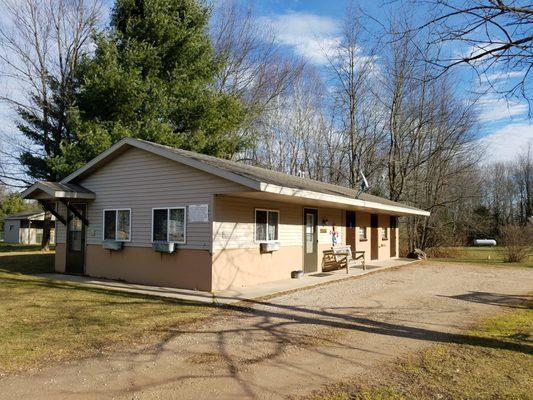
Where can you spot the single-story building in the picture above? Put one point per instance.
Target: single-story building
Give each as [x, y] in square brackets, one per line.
[152, 214]
[26, 228]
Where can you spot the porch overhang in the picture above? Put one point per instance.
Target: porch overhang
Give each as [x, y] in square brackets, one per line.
[54, 191]
[316, 199]
[48, 193]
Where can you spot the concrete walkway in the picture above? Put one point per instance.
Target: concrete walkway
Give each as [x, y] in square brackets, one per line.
[231, 296]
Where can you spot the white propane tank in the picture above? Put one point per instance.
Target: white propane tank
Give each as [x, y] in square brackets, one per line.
[484, 242]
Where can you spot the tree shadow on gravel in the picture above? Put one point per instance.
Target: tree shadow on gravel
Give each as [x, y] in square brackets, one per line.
[496, 299]
[277, 327]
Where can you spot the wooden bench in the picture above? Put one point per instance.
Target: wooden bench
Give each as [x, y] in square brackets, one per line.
[341, 257]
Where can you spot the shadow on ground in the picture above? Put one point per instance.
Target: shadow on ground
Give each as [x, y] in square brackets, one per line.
[268, 328]
[495, 299]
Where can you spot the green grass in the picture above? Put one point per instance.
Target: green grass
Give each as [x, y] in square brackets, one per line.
[46, 322]
[14, 247]
[493, 362]
[478, 255]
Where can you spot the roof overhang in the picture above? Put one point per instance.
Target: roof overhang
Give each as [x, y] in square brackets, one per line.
[46, 191]
[342, 200]
[257, 187]
[37, 215]
[128, 143]
[316, 199]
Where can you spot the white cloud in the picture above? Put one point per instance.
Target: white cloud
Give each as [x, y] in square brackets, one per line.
[507, 142]
[311, 36]
[504, 75]
[494, 108]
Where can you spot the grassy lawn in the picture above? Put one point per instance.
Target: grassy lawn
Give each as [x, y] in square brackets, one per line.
[478, 255]
[495, 362]
[13, 247]
[46, 322]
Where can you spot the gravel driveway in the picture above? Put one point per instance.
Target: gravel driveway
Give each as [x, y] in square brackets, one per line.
[295, 343]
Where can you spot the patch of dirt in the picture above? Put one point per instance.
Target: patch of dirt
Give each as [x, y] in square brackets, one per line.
[292, 344]
[205, 358]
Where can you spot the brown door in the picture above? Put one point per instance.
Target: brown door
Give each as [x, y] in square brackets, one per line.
[310, 240]
[393, 225]
[374, 237]
[350, 229]
[75, 256]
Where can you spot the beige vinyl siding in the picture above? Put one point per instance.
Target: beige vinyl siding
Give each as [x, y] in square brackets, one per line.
[235, 222]
[142, 181]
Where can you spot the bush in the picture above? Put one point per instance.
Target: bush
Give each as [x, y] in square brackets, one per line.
[517, 241]
[443, 252]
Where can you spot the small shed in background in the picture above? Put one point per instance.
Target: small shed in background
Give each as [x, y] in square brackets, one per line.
[26, 228]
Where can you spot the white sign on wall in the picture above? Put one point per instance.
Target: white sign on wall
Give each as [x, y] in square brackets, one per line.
[199, 213]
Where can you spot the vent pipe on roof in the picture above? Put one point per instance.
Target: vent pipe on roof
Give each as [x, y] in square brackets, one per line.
[363, 184]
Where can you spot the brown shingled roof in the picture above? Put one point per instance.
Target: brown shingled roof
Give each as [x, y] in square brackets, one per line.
[280, 178]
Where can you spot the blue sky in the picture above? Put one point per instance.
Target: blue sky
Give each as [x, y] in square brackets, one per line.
[307, 27]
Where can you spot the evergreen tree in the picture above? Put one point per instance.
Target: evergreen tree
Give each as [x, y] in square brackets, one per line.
[151, 77]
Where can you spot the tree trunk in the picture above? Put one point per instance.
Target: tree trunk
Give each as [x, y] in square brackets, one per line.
[45, 242]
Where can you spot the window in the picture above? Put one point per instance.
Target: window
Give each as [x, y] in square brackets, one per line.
[362, 233]
[10, 227]
[168, 225]
[384, 234]
[75, 232]
[266, 225]
[117, 225]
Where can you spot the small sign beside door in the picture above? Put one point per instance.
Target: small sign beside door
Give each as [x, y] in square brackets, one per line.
[199, 213]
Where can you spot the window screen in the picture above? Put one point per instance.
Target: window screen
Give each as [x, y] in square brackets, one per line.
[176, 225]
[169, 225]
[117, 225]
[110, 220]
[266, 225]
[160, 225]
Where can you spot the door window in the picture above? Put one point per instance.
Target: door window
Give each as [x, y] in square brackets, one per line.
[75, 232]
[309, 232]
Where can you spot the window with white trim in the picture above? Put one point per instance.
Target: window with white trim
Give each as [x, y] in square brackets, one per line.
[168, 225]
[266, 225]
[117, 224]
[362, 233]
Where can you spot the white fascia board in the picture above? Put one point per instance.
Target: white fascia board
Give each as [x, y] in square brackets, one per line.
[74, 195]
[95, 160]
[307, 194]
[37, 186]
[253, 184]
[55, 193]
[28, 191]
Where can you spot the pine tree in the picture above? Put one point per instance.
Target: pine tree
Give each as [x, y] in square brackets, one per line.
[151, 77]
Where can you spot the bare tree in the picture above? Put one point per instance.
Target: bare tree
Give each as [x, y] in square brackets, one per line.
[358, 112]
[254, 67]
[41, 43]
[296, 137]
[523, 176]
[497, 35]
[430, 134]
